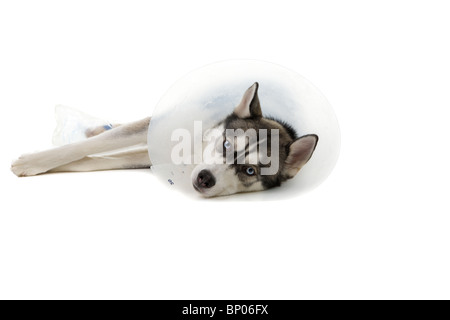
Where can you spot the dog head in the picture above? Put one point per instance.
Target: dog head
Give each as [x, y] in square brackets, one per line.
[248, 152]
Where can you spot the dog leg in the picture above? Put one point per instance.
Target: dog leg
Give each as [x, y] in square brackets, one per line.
[123, 136]
[134, 159]
[91, 132]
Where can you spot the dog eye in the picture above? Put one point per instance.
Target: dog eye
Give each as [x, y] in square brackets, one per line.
[227, 144]
[250, 171]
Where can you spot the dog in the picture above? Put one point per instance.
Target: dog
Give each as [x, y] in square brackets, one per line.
[236, 165]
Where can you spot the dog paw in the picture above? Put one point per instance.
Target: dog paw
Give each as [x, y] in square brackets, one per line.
[26, 166]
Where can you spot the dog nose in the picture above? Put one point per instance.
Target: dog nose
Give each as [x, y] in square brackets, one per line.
[205, 179]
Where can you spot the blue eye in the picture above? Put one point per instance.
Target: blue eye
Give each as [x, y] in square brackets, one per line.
[250, 171]
[227, 144]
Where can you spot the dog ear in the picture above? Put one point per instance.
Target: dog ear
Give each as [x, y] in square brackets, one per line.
[300, 151]
[249, 106]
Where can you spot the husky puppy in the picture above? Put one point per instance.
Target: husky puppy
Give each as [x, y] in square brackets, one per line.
[234, 167]
[227, 177]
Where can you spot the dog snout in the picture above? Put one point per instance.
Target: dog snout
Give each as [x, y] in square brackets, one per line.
[205, 179]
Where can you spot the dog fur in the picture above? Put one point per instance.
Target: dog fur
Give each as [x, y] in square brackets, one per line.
[208, 179]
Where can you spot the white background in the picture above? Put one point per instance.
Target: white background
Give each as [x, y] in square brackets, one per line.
[378, 227]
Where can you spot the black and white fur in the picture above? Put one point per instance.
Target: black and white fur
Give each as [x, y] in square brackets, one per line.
[208, 179]
[224, 179]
